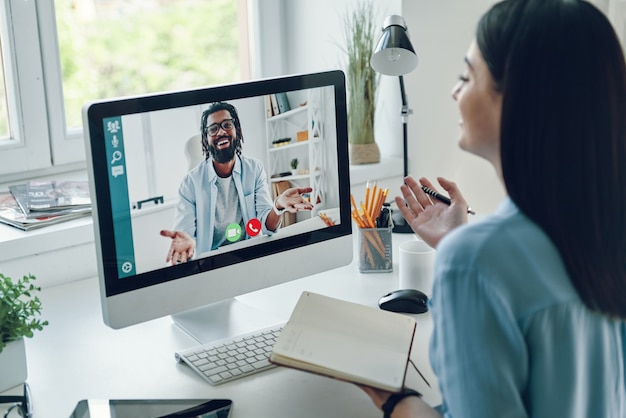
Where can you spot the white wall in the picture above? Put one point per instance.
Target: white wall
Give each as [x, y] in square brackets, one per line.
[311, 39]
[441, 33]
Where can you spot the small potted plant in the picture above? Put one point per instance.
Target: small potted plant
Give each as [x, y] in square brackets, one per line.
[294, 166]
[19, 311]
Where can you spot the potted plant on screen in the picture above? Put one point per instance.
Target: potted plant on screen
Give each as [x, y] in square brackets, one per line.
[19, 312]
[362, 83]
[294, 166]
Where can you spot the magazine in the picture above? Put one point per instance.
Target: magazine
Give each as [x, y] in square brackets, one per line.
[38, 198]
[11, 214]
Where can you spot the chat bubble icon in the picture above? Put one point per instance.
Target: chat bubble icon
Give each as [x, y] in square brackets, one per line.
[117, 170]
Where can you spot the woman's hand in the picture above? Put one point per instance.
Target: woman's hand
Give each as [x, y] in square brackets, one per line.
[409, 407]
[379, 397]
[428, 217]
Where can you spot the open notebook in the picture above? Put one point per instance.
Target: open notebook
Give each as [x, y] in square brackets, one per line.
[346, 341]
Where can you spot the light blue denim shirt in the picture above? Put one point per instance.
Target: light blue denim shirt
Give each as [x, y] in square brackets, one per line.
[197, 194]
[511, 336]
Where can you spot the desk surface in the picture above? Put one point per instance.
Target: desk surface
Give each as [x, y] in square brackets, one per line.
[78, 357]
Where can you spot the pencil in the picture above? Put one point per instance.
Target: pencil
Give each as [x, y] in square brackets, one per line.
[367, 193]
[352, 201]
[372, 200]
[443, 198]
[377, 204]
[368, 219]
[357, 219]
[383, 197]
[326, 219]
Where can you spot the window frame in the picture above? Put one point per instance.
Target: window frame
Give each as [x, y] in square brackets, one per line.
[41, 144]
[29, 146]
[67, 145]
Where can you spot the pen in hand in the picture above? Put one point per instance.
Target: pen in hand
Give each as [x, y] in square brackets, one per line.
[443, 198]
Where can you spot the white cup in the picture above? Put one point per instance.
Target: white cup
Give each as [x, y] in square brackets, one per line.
[417, 264]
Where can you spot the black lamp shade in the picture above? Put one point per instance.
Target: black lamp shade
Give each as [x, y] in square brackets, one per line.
[394, 54]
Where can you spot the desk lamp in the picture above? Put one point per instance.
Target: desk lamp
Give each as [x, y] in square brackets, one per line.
[394, 55]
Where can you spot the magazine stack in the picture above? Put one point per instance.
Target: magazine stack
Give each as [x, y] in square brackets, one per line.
[40, 203]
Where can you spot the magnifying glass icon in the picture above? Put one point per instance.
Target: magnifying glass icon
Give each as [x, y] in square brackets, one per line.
[117, 155]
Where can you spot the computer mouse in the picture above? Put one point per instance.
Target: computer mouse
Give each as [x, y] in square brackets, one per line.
[404, 301]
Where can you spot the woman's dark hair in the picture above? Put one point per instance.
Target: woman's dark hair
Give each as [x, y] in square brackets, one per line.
[561, 72]
[216, 107]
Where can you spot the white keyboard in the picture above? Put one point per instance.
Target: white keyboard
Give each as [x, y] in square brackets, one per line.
[233, 358]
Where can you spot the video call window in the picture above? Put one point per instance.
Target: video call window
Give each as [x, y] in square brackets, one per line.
[292, 135]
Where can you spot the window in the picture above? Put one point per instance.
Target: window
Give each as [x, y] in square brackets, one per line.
[60, 54]
[4, 111]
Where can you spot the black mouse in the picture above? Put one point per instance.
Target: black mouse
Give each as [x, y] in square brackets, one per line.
[404, 301]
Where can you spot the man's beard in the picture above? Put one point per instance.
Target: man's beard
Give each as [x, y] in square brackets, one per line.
[224, 155]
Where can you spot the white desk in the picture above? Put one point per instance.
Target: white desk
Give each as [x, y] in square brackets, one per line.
[77, 357]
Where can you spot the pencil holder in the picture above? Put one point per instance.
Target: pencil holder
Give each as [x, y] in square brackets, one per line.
[375, 250]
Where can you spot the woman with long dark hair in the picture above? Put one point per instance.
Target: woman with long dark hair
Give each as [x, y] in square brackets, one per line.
[529, 304]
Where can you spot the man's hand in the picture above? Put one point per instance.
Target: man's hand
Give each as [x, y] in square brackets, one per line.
[428, 217]
[182, 248]
[292, 200]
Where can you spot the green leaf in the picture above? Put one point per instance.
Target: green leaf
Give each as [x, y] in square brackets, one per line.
[19, 309]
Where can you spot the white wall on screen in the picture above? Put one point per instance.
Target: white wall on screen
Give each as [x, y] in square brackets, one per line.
[150, 247]
[329, 134]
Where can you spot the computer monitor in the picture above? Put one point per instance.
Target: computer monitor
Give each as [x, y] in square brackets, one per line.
[144, 156]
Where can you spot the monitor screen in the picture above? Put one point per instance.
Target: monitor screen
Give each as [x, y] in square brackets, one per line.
[206, 194]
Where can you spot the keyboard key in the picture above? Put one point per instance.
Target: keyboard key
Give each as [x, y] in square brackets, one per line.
[247, 368]
[225, 375]
[215, 379]
[215, 371]
[199, 362]
[262, 364]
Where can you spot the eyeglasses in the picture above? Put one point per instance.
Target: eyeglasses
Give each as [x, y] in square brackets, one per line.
[23, 407]
[226, 125]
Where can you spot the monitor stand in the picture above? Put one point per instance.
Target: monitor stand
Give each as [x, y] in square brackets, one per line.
[224, 319]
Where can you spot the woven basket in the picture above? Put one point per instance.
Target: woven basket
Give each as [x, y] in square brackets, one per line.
[364, 153]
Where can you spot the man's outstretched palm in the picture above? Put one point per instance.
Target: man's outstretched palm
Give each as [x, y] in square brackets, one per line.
[182, 247]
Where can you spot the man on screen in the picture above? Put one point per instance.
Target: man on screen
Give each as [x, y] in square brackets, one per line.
[226, 189]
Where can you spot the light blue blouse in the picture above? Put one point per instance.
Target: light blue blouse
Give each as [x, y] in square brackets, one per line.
[511, 335]
[195, 210]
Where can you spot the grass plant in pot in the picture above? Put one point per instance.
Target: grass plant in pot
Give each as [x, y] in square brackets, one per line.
[362, 83]
[19, 318]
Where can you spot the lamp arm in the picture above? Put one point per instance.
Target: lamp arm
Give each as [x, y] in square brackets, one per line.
[404, 116]
[403, 92]
[406, 111]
